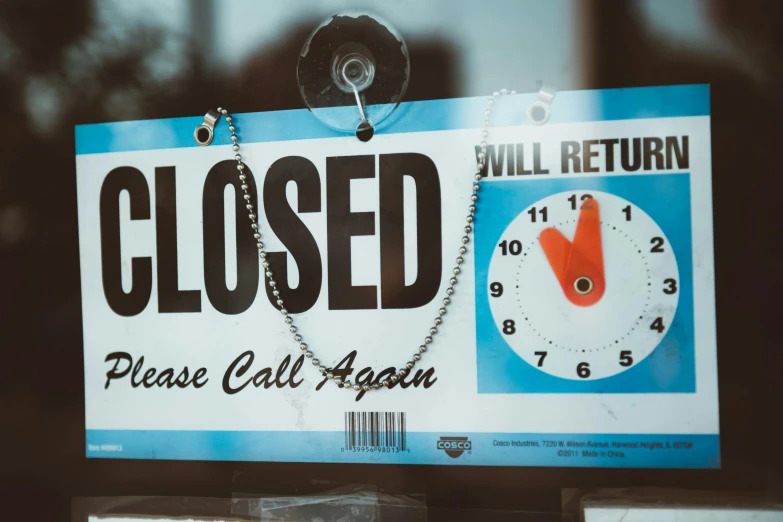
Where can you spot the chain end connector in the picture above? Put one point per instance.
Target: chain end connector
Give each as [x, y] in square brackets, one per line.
[205, 132]
[539, 111]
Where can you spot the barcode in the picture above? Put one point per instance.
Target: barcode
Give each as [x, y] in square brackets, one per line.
[375, 429]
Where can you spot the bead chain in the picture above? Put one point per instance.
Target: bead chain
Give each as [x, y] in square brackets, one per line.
[346, 384]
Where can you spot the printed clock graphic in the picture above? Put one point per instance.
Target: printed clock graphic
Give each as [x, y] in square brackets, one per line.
[611, 290]
[581, 289]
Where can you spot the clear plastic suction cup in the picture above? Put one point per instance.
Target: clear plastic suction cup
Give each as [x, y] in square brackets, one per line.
[353, 72]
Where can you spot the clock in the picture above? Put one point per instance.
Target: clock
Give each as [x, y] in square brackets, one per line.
[583, 285]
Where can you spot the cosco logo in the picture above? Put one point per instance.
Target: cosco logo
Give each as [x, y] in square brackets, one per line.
[454, 446]
[462, 445]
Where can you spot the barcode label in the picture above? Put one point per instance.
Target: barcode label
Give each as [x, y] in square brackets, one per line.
[375, 429]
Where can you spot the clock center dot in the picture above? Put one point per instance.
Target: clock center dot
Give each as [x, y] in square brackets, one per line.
[583, 285]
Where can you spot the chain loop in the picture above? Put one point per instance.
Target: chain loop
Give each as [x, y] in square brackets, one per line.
[438, 321]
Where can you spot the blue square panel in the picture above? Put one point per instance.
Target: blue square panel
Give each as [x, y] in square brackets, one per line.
[585, 285]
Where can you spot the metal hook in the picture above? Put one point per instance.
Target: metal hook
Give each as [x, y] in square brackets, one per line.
[544, 100]
[365, 129]
[205, 132]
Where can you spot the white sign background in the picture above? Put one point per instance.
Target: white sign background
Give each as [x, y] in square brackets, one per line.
[382, 337]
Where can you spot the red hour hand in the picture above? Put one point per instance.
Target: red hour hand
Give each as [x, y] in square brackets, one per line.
[578, 265]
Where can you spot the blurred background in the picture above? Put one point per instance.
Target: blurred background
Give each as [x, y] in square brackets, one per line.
[68, 62]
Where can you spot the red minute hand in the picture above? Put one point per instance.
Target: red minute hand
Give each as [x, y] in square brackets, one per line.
[583, 279]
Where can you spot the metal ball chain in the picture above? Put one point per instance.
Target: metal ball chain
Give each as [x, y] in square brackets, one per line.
[437, 322]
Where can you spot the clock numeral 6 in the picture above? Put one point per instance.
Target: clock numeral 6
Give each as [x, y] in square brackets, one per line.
[657, 243]
[657, 325]
[542, 356]
[625, 358]
[672, 286]
[514, 247]
[572, 199]
[532, 213]
[583, 370]
[509, 327]
[496, 289]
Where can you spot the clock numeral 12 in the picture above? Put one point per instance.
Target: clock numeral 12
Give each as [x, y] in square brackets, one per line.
[572, 199]
[532, 213]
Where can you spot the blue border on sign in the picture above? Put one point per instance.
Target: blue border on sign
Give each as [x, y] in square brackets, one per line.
[486, 449]
[670, 368]
[421, 116]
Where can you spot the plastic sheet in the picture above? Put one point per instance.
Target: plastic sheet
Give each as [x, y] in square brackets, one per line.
[354, 503]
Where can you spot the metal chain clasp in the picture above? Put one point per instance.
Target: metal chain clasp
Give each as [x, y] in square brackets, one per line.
[205, 132]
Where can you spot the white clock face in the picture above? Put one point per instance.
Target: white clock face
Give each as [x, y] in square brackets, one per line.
[564, 313]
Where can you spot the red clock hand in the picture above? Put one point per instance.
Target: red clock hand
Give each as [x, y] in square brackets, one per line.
[583, 279]
[557, 249]
[578, 265]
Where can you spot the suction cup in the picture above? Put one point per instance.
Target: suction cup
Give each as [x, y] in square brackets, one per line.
[353, 72]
